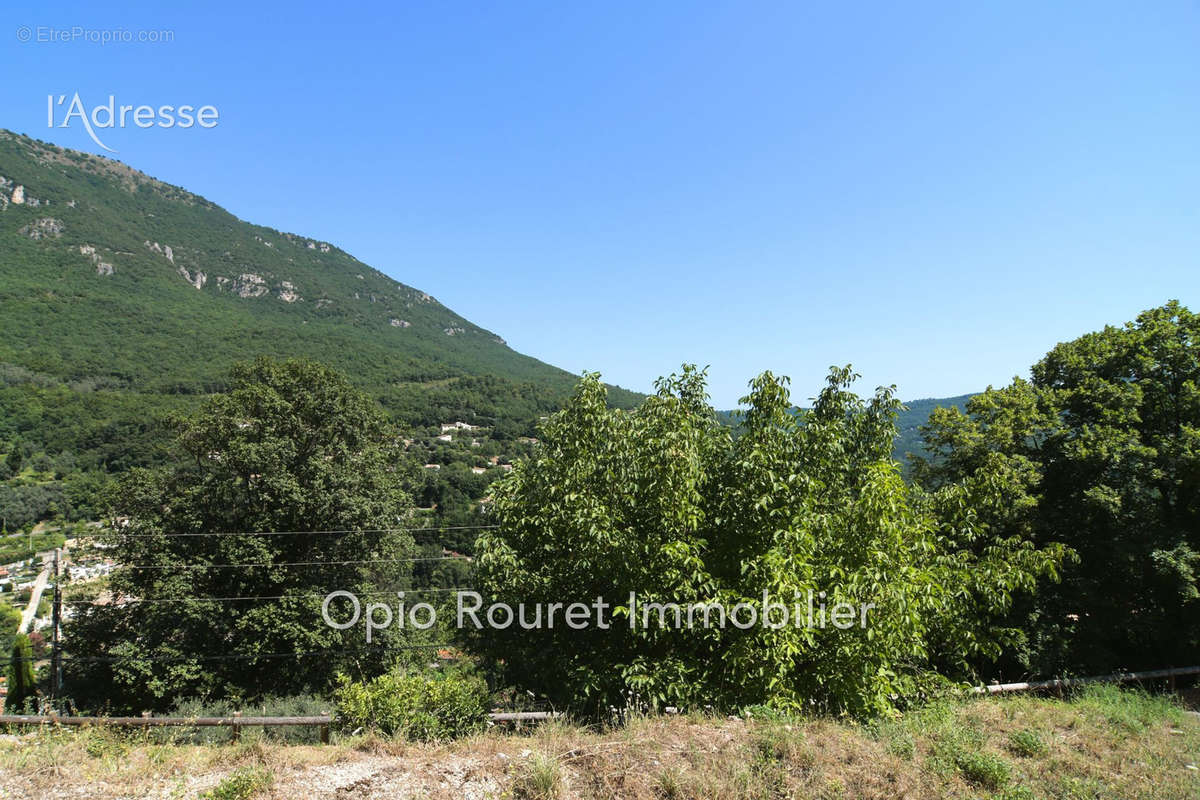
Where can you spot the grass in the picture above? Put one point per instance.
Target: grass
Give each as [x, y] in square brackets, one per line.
[1103, 744]
[539, 778]
[1026, 743]
[981, 768]
[242, 784]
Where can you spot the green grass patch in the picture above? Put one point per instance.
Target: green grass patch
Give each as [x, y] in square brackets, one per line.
[241, 784]
[981, 768]
[1026, 743]
[1129, 710]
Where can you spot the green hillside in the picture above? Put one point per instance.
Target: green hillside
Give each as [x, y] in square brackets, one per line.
[908, 423]
[124, 298]
[914, 415]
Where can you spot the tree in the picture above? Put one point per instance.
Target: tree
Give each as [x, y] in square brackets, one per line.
[663, 502]
[291, 474]
[22, 687]
[15, 458]
[10, 621]
[1100, 450]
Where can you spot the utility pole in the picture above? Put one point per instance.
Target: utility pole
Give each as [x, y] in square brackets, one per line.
[56, 655]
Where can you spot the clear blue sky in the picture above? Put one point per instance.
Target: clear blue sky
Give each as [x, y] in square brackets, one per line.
[936, 193]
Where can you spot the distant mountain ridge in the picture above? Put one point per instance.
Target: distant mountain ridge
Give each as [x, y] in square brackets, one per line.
[908, 423]
[915, 414]
[123, 296]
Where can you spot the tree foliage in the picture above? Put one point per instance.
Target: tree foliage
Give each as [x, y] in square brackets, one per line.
[419, 706]
[292, 447]
[90, 364]
[661, 501]
[22, 687]
[1100, 449]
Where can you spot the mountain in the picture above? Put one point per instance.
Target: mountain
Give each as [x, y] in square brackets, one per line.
[123, 298]
[915, 414]
[908, 423]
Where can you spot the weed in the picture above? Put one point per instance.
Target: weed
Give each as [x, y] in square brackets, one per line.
[982, 768]
[1015, 793]
[1026, 743]
[241, 784]
[669, 784]
[540, 778]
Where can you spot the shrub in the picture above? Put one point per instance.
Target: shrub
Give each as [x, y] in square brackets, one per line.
[415, 705]
[301, 705]
[22, 688]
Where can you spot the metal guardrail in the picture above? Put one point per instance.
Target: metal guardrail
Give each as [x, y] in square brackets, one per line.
[235, 722]
[1063, 683]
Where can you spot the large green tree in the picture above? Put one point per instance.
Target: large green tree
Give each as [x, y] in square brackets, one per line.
[1100, 449]
[292, 474]
[22, 687]
[662, 501]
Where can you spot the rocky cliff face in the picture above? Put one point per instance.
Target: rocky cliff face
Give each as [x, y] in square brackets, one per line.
[230, 258]
[134, 282]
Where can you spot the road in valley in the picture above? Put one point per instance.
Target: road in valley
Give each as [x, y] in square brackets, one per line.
[35, 597]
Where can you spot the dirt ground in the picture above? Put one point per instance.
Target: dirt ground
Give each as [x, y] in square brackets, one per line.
[1104, 745]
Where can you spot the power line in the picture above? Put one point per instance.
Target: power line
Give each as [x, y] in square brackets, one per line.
[297, 533]
[295, 563]
[240, 656]
[188, 599]
[254, 656]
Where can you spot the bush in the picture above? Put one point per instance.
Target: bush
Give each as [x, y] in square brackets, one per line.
[301, 705]
[22, 688]
[416, 706]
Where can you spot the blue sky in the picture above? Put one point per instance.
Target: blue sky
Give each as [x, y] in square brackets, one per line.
[936, 193]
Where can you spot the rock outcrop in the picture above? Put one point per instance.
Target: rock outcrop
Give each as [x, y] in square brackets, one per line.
[44, 228]
[198, 279]
[248, 285]
[102, 267]
[287, 292]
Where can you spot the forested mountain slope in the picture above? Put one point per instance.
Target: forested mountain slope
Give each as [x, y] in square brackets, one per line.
[124, 297]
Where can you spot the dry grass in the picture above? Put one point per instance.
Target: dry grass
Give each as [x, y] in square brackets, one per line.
[1104, 744]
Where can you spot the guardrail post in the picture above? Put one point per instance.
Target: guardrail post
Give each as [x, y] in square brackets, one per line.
[235, 732]
[325, 729]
